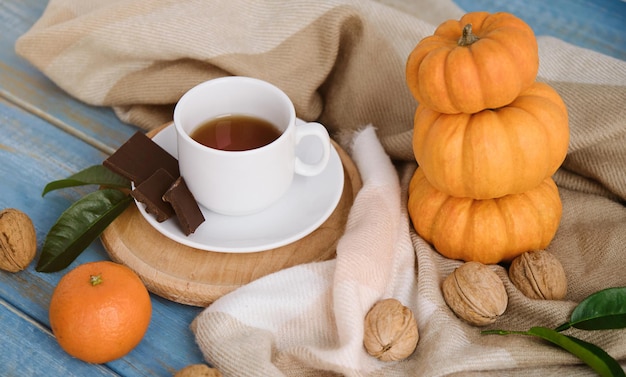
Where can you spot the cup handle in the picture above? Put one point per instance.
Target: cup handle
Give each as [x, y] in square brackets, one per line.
[319, 131]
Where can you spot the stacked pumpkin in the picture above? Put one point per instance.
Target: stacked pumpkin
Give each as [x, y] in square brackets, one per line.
[487, 138]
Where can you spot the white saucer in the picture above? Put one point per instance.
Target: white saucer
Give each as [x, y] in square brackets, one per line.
[308, 203]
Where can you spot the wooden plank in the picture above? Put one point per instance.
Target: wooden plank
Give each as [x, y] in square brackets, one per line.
[592, 24]
[32, 153]
[20, 82]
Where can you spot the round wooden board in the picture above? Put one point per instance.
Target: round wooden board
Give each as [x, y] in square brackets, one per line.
[197, 277]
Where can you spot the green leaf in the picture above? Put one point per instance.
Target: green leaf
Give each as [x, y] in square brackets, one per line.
[93, 175]
[603, 310]
[79, 226]
[589, 353]
[592, 355]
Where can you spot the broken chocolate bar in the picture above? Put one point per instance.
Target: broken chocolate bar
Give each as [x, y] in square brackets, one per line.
[187, 211]
[150, 193]
[139, 157]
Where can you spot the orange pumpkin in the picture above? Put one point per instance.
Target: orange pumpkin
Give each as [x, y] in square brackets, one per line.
[481, 61]
[494, 152]
[487, 231]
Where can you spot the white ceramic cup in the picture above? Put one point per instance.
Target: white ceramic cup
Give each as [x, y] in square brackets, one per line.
[243, 182]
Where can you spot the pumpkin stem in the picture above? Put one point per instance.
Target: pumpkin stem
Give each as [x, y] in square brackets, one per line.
[95, 280]
[468, 37]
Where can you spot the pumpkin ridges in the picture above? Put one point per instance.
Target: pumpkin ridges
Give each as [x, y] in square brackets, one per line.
[480, 20]
[523, 142]
[458, 142]
[545, 105]
[502, 25]
[494, 152]
[522, 53]
[487, 138]
[533, 149]
[486, 158]
[516, 43]
[460, 63]
[493, 96]
[453, 215]
[420, 209]
[551, 112]
[549, 213]
[488, 231]
[517, 212]
[430, 69]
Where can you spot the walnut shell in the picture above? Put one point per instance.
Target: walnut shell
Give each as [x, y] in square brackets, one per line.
[475, 294]
[198, 370]
[390, 331]
[539, 275]
[18, 240]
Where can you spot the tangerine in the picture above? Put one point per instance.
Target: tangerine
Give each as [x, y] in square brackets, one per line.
[100, 311]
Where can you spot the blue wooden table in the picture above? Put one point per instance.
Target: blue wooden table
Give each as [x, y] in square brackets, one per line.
[46, 135]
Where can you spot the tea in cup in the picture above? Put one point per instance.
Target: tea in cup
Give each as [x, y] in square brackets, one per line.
[237, 139]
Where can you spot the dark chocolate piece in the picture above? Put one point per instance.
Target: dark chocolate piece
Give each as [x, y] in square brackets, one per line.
[150, 193]
[187, 210]
[139, 157]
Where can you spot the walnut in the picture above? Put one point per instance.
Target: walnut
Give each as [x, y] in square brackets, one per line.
[539, 275]
[18, 240]
[390, 331]
[475, 293]
[198, 370]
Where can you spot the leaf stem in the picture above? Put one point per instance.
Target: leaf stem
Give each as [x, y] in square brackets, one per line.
[592, 355]
[504, 332]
